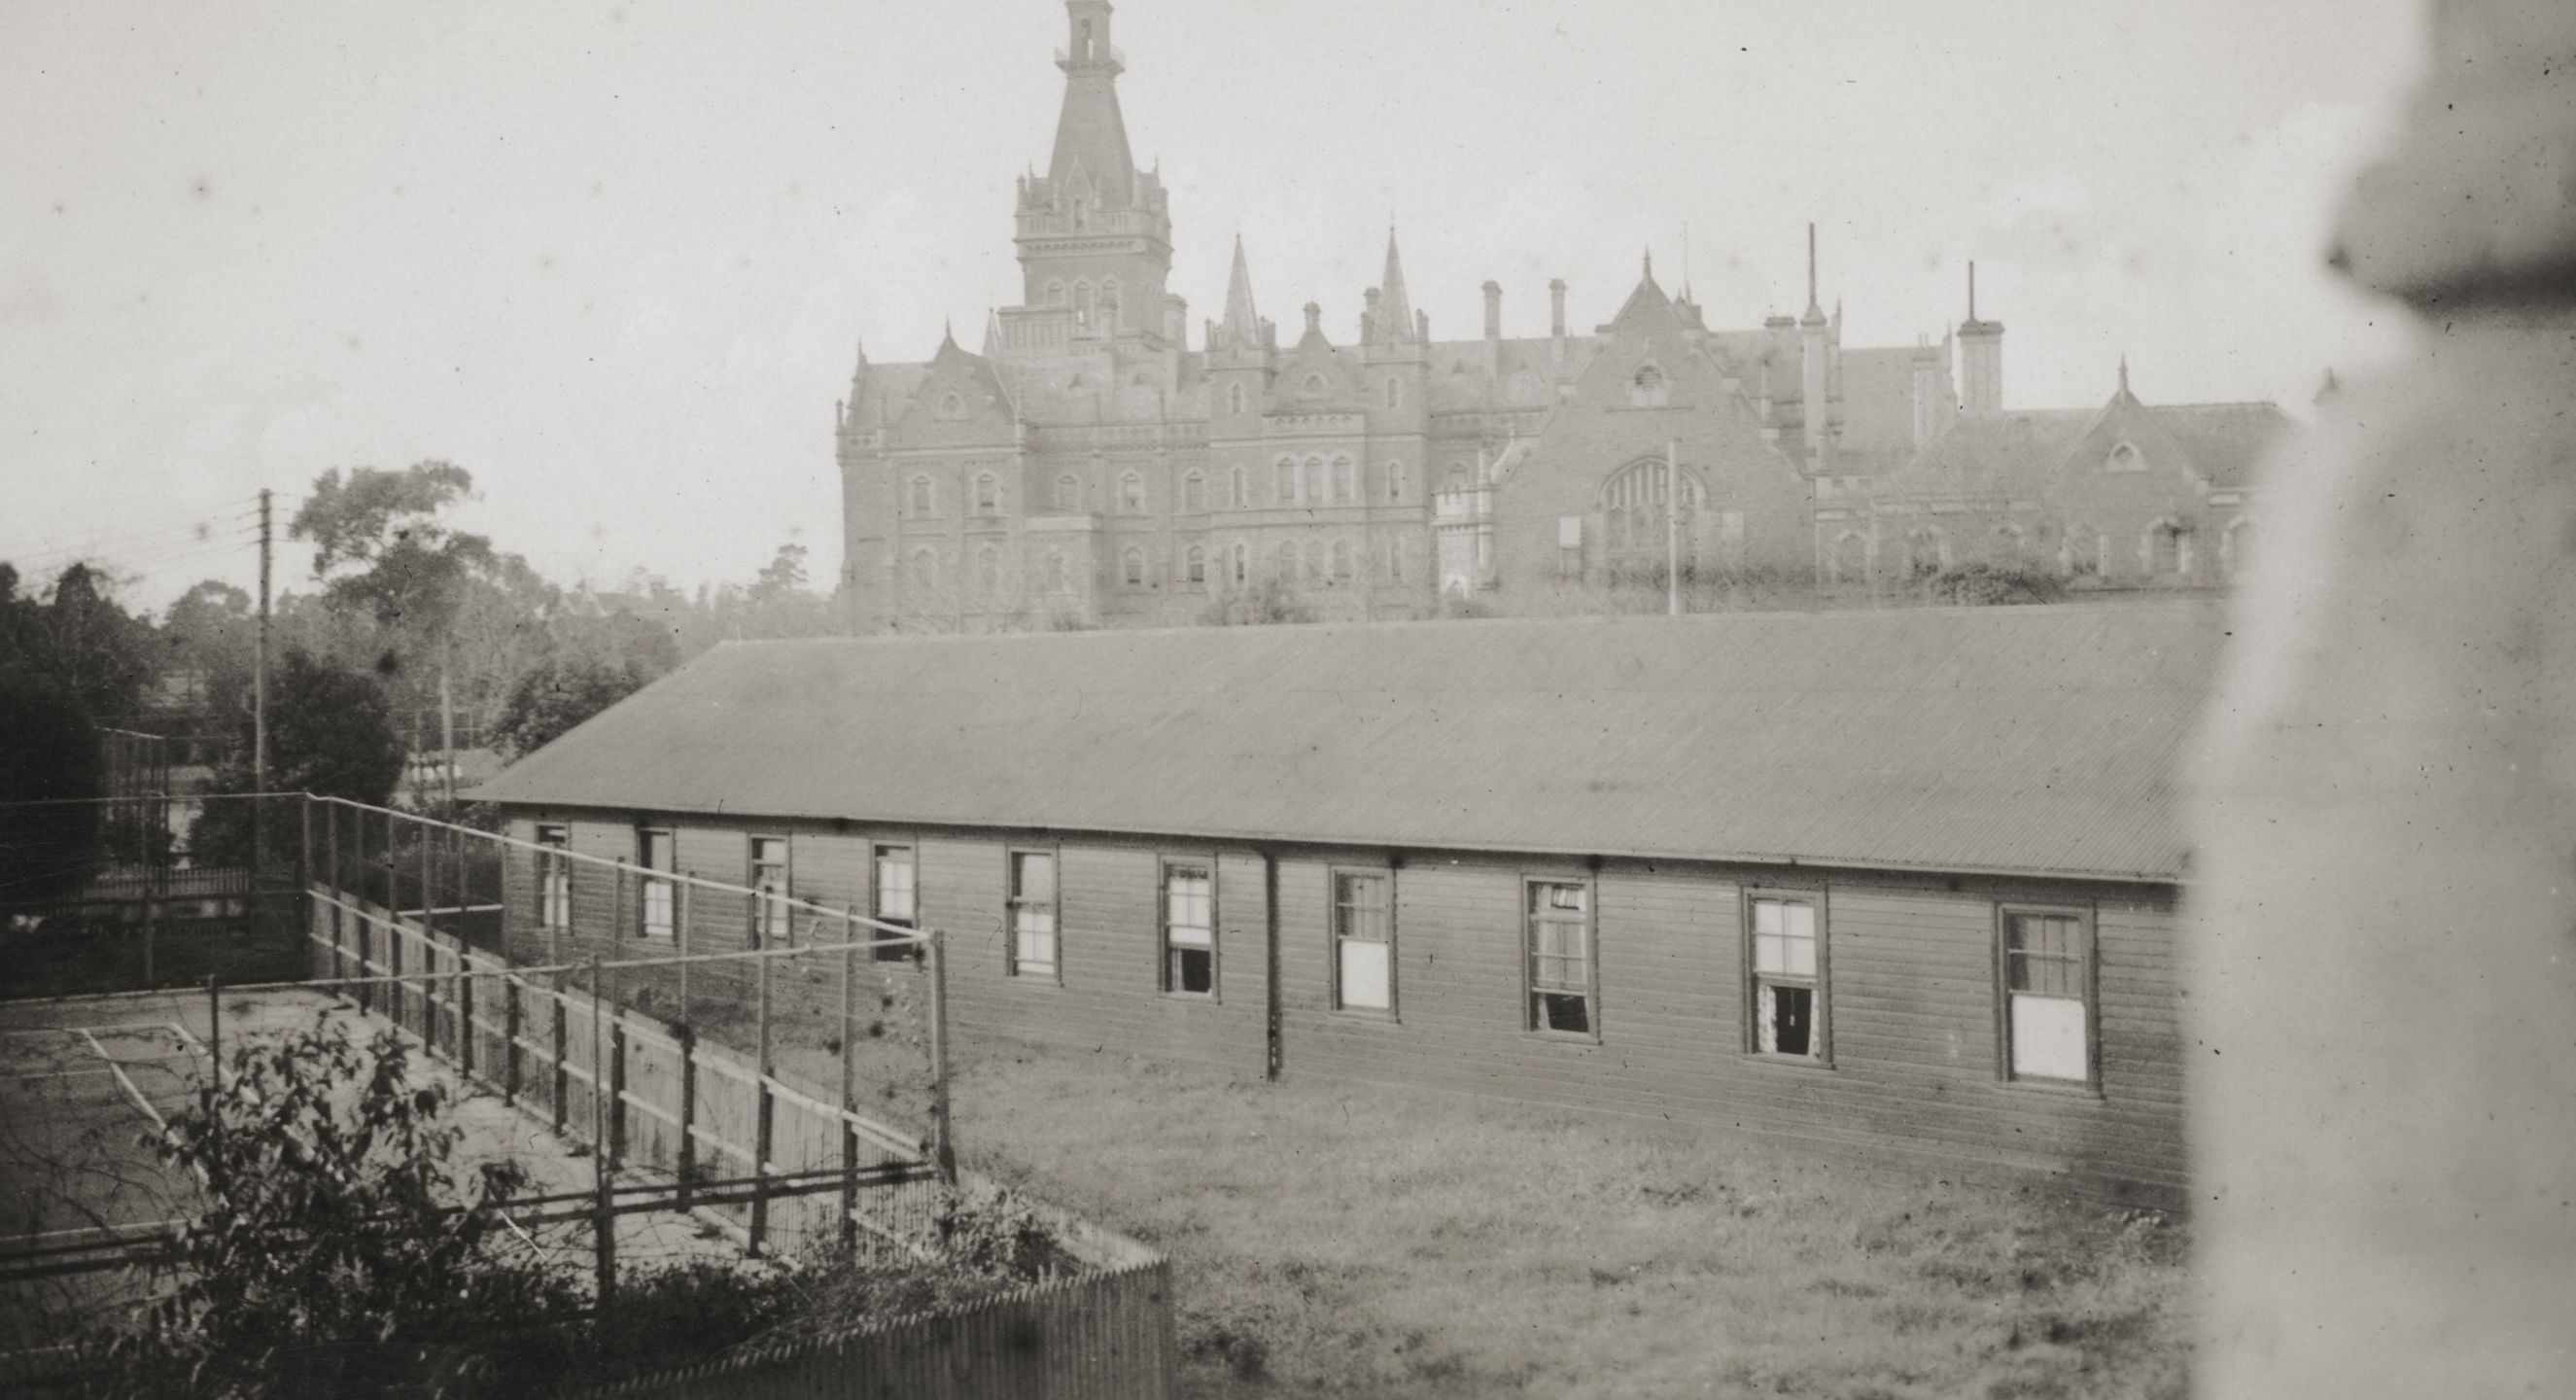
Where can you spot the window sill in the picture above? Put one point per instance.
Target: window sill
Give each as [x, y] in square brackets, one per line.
[2059, 1088]
[1384, 1016]
[1807, 1062]
[1566, 1037]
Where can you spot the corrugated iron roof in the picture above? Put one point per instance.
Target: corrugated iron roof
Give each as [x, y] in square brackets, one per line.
[2028, 740]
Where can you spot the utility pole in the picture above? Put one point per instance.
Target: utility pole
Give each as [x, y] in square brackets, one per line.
[1673, 527]
[259, 703]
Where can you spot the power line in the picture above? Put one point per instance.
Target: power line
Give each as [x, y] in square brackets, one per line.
[166, 522]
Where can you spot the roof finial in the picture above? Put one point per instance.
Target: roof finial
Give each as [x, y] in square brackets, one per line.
[1686, 282]
[1972, 289]
[2124, 373]
[1811, 266]
[1650, 262]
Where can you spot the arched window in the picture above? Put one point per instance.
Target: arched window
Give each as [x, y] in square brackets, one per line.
[1635, 504]
[1082, 303]
[1283, 561]
[924, 501]
[2125, 458]
[2011, 545]
[1242, 563]
[2084, 552]
[1649, 389]
[1194, 565]
[1131, 493]
[1283, 485]
[925, 569]
[1056, 295]
[988, 494]
[1395, 481]
[1849, 562]
[1313, 386]
[1346, 480]
[1068, 492]
[1341, 561]
[1926, 553]
[1315, 487]
[1395, 558]
[1453, 490]
[952, 405]
[2168, 549]
[1131, 568]
[1242, 496]
[1234, 398]
[1055, 571]
[2238, 546]
[1394, 392]
[1109, 301]
[988, 570]
[1194, 493]
[1314, 561]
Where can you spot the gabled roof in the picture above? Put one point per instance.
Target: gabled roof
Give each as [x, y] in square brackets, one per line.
[2226, 440]
[2035, 740]
[2005, 454]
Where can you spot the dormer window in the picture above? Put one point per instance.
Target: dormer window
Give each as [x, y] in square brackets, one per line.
[1313, 386]
[1068, 492]
[2125, 458]
[1649, 389]
[952, 406]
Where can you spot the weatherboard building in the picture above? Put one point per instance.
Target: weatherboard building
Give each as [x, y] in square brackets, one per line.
[1897, 882]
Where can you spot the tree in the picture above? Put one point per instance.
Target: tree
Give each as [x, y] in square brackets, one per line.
[49, 751]
[330, 733]
[1271, 600]
[549, 701]
[79, 642]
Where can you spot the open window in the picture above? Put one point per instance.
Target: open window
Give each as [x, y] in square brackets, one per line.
[2048, 994]
[654, 854]
[554, 879]
[1363, 942]
[1032, 911]
[891, 898]
[1189, 928]
[771, 921]
[1561, 1000]
[1786, 954]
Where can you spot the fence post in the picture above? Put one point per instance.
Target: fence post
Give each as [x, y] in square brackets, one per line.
[304, 854]
[761, 1126]
[849, 1077]
[943, 1151]
[395, 991]
[603, 1223]
[464, 883]
[680, 936]
[688, 1039]
[428, 846]
[464, 1005]
[510, 1004]
[151, 917]
[339, 882]
[616, 1072]
[562, 1076]
[214, 1032]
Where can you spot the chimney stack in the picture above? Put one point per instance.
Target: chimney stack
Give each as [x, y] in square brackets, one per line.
[1981, 359]
[1556, 325]
[1368, 318]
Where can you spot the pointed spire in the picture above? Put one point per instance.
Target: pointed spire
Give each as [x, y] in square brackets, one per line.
[1648, 263]
[1815, 312]
[1090, 132]
[2124, 374]
[1395, 311]
[1242, 325]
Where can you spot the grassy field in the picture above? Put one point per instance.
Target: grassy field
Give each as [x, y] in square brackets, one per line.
[1344, 1240]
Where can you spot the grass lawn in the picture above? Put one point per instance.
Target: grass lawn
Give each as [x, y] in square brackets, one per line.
[1335, 1239]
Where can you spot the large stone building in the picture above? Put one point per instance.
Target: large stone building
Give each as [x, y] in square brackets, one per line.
[1089, 467]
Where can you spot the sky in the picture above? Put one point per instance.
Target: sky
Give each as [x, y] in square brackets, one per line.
[615, 258]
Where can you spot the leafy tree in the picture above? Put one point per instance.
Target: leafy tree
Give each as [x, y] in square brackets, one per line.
[330, 733]
[549, 701]
[79, 642]
[339, 1248]
[49, 751]
[1272, 600]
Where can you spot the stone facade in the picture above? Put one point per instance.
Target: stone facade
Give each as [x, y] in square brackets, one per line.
[1087, 467]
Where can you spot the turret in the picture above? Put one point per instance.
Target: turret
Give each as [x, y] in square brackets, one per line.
[1981, 359]
[1556, 325]
[1928, 393]
[1812, 329]
[1390, 310]
[1493, 329]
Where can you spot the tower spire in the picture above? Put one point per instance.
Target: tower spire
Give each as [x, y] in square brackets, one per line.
[1395, 310]
[1242, 324]
[1091, 133]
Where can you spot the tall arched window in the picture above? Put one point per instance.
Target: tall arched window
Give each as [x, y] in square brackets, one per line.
[1055, 571]
[1283, 561]
[1109, 302]
[1068, 492]
[1234, 398]
[1341, 561]
[1395, 481]
[1242, 496]
[1315, 488]
[1453, 491]
[1082, 303]
[1394, 392]
[1284, 482]
[925, 569]
[988, 570]
[1346, 480]
[1395, 558]
[1242, 563]
[1194, 493]
[1926, 552]
[924, 501]
[1639, 506]
[988, 494]
[1194, 565]
[1057, 295]
[2238, 545]
[1314, 561]
[1131, 568]
[2168, 549]
[1649, 389]
[1849, 562]
[1131, 493]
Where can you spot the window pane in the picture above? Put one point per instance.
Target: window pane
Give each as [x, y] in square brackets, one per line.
[1800, 920]
[1786, 1020]
[1766, 916]
[1769, 953]
[894, 884]
[1802, 957]
[1365, 982]
[2048, 1036]
[1193, 970]
[1554, 1011]
[1035, 873]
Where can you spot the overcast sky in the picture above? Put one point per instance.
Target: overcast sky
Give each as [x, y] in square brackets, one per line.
[614, 258]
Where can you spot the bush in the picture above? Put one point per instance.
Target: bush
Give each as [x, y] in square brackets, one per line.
[1270, 601]
[1989, 585]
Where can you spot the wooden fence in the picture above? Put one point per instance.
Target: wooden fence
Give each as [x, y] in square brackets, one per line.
[1102, 1336]
[669, 1105]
